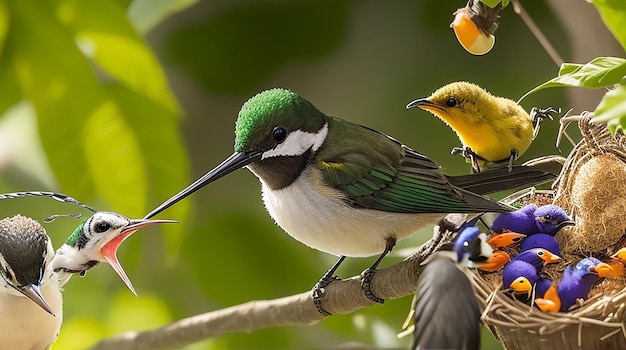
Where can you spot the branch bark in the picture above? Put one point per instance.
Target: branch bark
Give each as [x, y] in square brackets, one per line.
[340, 297]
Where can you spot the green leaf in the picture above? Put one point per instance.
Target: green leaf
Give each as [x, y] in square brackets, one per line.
[613, 13]
[9, 88]
[4, 24]
[147, 14]
[79, 333]
[612, 108]
[61, 96]
[161, 143]
[103, 32]
[598, 73]
[127, 312]
[115, 160]
[124, 313]
[90, 141]
[122, 3]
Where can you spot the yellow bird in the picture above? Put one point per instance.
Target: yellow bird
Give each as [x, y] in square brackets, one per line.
[494, 130]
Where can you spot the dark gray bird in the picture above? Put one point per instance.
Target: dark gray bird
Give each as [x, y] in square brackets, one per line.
[446, 311]
[31, 306]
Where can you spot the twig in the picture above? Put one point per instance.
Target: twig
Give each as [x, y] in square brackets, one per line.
[340, 297]
[534, 28]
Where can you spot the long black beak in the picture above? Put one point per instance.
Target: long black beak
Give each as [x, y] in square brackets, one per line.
[235, 161]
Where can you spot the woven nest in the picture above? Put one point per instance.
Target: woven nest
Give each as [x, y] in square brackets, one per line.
[592, 188]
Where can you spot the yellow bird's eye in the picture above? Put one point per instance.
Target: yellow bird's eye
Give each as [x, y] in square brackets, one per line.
[451, 102]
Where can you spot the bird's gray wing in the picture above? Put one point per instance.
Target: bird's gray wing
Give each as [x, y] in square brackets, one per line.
[446, 313]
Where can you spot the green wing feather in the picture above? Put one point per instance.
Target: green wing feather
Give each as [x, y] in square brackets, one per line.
[378, 172]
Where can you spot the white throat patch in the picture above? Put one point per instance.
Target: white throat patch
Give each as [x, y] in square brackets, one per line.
[298, 142]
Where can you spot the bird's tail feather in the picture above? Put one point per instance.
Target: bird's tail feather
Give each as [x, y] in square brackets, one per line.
[531, 173]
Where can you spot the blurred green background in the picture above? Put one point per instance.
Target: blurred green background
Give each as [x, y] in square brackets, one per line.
[121, 104]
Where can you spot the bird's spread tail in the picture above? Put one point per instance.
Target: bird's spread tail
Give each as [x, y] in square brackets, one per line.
[531, 173]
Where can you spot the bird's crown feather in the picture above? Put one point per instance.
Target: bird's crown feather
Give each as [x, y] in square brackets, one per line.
[271, 108]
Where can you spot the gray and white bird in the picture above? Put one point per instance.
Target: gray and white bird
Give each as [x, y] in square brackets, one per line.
[31, 306]
[446, 311]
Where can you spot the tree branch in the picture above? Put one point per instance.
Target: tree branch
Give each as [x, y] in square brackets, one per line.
[340, 297]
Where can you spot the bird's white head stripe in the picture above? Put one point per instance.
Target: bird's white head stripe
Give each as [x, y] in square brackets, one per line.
[298, 142]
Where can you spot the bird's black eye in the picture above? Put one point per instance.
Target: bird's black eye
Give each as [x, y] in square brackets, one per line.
[102, 227]
[547, 216]
[540, 253]
[451, 102]
[279, 134]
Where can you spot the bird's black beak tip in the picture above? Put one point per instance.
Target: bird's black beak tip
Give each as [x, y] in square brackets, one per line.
[417, 103]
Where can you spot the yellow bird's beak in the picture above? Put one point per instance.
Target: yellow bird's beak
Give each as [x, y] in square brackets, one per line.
[425, 104]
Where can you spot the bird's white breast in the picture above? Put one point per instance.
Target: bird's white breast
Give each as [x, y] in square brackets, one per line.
[317, 216]
[24, 324]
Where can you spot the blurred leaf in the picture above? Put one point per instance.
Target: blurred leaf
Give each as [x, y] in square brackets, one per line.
[79, 332]
[147, 14]
[9, 89]
[612, 108]
[599, 72]
[4, 24]
[115, 160]
[163, 152]
[124, 313]
[122, 3]
[613, 13]
[128, 312]
[62, 96]
[223, 52]
[21, 143]
[103, 32]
